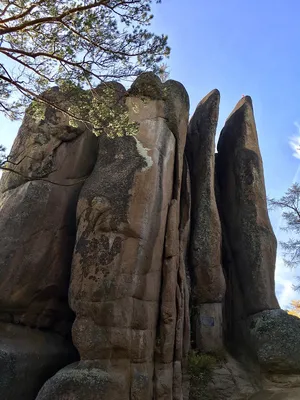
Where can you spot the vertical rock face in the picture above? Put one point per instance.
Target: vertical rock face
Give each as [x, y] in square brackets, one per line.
[171, 351]
[244, 209]
[127, 276]
[205, 240]
[38, 204]
[128, 228]
[117, 260]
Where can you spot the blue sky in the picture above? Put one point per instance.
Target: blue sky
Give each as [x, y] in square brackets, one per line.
[239, 47]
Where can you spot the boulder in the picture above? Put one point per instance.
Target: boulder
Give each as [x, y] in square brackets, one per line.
[88, 380]
[274, 336]
[28, 357]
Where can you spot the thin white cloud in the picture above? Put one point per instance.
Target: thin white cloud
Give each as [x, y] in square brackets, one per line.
[294, 142]
[285, 278]
[285, 292]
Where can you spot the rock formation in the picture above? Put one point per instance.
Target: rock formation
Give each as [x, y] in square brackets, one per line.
[143, 246]
[206, 236]
[128, 285]
[244, 208]
[38, 204]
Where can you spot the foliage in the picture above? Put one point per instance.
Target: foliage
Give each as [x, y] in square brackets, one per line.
[72, 44]
[200, 368]
[106, 112]
[295, 308]
[290, 205]
[163, 72]
[2, 154]
[75, 45]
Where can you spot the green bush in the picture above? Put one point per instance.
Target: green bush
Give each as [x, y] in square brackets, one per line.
[200, 362]
[200, 368]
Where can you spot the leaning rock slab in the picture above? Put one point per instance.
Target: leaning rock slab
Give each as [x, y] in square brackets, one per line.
[275, 339]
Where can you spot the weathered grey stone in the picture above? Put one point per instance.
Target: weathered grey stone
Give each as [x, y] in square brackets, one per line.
[28, 357]
[244, 208]
[147, 86]
[275, 339]
[88, 380]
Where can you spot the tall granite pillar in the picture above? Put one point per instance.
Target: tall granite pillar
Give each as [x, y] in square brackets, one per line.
[120, 288]
[244, 209]
[51, 159]
[208, 283]
[269, 333]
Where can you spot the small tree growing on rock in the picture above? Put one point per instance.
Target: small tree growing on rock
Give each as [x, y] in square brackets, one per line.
[290, 206]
